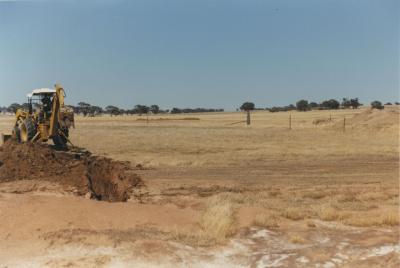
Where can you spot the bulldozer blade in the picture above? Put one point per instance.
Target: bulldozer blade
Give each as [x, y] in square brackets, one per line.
[4, 138]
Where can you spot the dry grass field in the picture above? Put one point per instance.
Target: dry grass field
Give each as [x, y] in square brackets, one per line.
[212, 140]
[219, 192]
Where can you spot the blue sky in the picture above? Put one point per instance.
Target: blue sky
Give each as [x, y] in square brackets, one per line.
[182, 53]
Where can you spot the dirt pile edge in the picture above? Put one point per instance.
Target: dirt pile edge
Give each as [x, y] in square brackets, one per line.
[78, 172]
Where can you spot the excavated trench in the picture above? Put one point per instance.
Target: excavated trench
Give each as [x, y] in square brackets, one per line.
[76, 170]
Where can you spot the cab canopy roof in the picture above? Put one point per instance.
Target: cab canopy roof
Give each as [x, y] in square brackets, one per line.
[41, 91]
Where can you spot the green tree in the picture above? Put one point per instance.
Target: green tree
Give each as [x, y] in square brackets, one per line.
[154, 109]
[141, 109]
[14, 107]
[176, 111]
[355, 103]
[346, 103]
[377, 105]
[84, 108]
[302, 105]
[313, 105]
[113, 110]
[330, 104]
[247, 106]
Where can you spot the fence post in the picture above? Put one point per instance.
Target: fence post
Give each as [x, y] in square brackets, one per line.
[344, 124]
[330, 117]
[290, 121]
[248, 118]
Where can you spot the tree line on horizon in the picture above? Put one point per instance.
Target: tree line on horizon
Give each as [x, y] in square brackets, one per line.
[87, 109]
[305, 105]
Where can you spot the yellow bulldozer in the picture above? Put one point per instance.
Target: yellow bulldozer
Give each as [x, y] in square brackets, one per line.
[46, 118]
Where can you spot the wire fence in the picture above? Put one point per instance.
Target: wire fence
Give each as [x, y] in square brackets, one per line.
[291, 121]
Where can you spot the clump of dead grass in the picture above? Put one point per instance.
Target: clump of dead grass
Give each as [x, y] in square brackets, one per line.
[268, 220]
[294, 213]
[274, 193]
[390, 219]
[358, 206]
[311, 224]
[373, 196]
[392, 193]
[218, 221]
[329, 213]
[216, 225]
[234, 198]
[187, 237]
[346, 197]
[361, 222]
[296, 239]
[314, 195]
[387, 219]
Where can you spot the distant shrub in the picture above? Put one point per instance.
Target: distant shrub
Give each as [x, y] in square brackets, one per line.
[302, 105]
[355, 103]
[113, 110]
[330, 104]
[274, 109]
[346, 103]
[377, 105]
[314, 105]
[155, 109]
[388, 103]
[176, 111]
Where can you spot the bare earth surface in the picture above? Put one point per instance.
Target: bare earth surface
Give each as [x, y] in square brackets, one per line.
[218, 195]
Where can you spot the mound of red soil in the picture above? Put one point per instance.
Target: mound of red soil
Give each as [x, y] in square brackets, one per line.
[79, 172]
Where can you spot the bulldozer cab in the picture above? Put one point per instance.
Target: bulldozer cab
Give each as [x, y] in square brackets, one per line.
[41, 100]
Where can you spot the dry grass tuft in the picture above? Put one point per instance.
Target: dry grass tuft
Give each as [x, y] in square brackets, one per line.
[197, 238]
[311, 224]
[321, 121]
[388, 219]
[328, 213]
[362, 221]
[216, 225]
[373, 196]
[391, 219]
[392, 193]
[294, 214]
[189, 237]
[314, 195]
[232, 198]
[346, 197]
[274, 193]
[267, 220]
[296, 239]
[218, 221]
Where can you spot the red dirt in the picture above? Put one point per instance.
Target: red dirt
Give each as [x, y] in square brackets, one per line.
[104, 178]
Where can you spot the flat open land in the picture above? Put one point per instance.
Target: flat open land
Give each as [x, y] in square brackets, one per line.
[218, 193]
